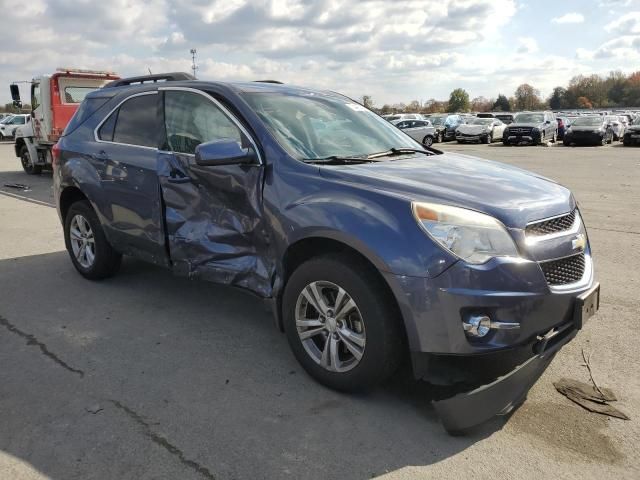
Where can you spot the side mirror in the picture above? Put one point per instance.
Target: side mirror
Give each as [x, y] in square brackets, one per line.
[15, 95]
[225, 151]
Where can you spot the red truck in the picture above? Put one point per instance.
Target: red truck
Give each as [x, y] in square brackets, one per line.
[54, 100]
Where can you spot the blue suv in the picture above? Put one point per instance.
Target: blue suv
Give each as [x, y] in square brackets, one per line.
[370, 248]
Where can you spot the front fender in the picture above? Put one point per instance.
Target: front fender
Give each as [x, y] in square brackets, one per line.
[378, 225]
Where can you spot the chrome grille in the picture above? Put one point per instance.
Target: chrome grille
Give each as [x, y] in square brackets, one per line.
[520, 130]
[564, 270]
[553, 225]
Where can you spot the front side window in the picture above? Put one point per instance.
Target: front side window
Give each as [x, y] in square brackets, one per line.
[315, 126]
[138, 122]
[192, 119]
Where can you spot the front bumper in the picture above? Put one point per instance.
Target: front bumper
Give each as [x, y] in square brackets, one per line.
[632, 138]
[467, 137]
[584, 138]
[531, 139]
[506, 290]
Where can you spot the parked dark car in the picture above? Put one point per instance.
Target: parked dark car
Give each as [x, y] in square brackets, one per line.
[506, 118]
[369, 248]
[531, 128]
[589, 130]
[632, 134]
[446, 126]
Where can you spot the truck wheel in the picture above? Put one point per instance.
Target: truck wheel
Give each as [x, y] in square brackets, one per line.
[27, 165]
[341, 323]
[90, 252]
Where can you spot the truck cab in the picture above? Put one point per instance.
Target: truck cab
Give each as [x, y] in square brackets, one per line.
[54, 100]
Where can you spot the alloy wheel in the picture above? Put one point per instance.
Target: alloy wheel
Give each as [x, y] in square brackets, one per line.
[330, 326]
[83, 242]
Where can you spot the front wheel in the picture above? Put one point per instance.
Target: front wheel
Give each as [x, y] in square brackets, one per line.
[88, 247]
[440, 138]
[27, 165]
[341, 323]
[489, 138]
[427, 141]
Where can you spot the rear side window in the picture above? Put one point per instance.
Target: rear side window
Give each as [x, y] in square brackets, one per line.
[138, 122]
[106, 130]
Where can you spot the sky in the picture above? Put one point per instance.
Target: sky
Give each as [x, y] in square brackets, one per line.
[395, 51]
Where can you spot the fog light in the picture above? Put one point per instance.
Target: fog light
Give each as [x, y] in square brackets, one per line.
[477, 325]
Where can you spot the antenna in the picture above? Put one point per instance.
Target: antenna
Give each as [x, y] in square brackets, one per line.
[194, 67]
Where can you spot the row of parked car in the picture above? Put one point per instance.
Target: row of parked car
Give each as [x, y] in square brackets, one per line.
[522, 128]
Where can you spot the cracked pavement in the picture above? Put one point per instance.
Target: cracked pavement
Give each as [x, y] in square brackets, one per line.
[148, 376]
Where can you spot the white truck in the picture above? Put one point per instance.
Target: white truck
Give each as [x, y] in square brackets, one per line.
[54, 100]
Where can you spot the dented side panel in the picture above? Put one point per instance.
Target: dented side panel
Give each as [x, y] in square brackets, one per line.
[214, 222]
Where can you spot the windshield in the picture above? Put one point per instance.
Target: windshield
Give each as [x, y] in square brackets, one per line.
[587, 121]
[481, 121]
[316, 126]
[529, 118]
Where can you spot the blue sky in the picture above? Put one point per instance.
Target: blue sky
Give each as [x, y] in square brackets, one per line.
[393, 50]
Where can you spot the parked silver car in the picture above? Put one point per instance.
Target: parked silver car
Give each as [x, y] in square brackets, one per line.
[484, 130]
[420, 130]
[616, 125]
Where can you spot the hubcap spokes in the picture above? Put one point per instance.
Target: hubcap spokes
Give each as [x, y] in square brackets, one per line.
[330, 326]
[82, 241]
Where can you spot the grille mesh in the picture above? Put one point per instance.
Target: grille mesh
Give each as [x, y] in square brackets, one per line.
[564, 270]
[554, 225]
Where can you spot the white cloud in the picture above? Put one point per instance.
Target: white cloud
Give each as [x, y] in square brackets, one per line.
[628, 23]
[572, 17]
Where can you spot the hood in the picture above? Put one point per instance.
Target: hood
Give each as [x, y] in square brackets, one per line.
[586, 128]
[512, 195]
[531, 125]
[464, 128]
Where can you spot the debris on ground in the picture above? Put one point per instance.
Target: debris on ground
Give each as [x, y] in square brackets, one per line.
[18, 186]
[590, 397]
[94, 409]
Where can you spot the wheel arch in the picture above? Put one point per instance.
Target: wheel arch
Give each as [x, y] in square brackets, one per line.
[312, 247]
[68, 197]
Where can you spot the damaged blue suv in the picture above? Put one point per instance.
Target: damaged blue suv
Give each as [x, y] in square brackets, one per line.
[370, 248]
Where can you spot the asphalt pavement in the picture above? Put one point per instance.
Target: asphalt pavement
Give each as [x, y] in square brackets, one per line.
[149, 376]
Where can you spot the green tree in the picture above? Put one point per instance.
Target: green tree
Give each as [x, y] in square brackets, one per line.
[459, 101]
[527, 98]
[557, 98]
[501, 104]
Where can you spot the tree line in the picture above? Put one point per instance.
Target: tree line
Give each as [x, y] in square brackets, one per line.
[583, 92]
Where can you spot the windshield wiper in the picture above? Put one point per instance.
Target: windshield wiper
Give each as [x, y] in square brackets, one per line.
[338, 160]
[398, 151]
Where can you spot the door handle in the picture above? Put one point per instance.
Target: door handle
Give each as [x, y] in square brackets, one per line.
[178, 179]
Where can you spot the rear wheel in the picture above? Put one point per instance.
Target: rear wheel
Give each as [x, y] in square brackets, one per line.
[90, 252]
[427, 141]
[341, 324]
[27, 165]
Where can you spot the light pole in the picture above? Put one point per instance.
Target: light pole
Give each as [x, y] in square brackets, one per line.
[194, 67]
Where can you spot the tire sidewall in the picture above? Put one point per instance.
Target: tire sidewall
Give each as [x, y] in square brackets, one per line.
[375, 362]
[103, 253]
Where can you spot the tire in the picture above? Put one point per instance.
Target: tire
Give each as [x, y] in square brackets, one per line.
[106, 261]
[427, 141]
[505, 142]
[489, 138]
[380, 332]
[566, 143]
[440, 137]
[542, 142]
[603, 141]
[27, 165]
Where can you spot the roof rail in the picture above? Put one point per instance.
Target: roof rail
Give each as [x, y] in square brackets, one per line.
[160, 77]
[269, 81]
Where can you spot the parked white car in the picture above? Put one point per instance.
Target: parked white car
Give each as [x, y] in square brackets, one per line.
[420, 130]
[616, 125]
[484, 130]
[396, 117]
[8, 128]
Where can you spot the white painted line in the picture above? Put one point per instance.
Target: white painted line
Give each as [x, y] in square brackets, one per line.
[22, 197]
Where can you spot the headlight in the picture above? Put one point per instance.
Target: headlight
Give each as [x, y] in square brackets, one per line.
[472, 236]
